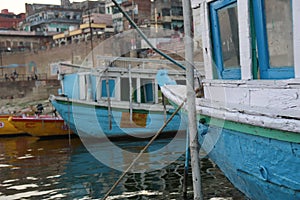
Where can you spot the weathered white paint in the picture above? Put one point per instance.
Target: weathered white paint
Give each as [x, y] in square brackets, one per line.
[98, 88]
[207, 48]
[276, 117]
[258, 119]
[286, 99]
[118, 89]
[195, 3]
[88, 88]
[138, 88]
[270, 94]
[130, 92]
[296, 30]
[82, 89]
[155, 91]
[197, 30]
[245, 39]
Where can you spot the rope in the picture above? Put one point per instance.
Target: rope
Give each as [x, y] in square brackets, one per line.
[143, 150]
[145, 37]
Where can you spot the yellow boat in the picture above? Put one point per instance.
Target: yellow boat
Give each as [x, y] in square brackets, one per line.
[7, 128]
[41, 126]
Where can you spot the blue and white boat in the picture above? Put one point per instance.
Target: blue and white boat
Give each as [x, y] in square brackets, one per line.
[116, 101]
[249, 114]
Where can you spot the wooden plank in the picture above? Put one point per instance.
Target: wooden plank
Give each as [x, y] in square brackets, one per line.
[245, 43]
[296, 28]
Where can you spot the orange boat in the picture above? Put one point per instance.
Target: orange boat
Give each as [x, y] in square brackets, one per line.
[41, 126]
[7, 128]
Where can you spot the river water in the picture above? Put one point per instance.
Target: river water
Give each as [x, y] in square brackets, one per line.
[59, 168]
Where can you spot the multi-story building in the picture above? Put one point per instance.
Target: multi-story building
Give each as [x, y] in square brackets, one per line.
[14, 41]
[9, 20]
[100, 25]
[53, 19]
[138, 10]
[90, 6]
[50, 19]
[167, 14]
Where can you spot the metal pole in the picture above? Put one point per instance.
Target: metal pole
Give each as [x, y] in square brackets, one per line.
[130, 93]
[91, 34]
[108, 100]
[191, 102]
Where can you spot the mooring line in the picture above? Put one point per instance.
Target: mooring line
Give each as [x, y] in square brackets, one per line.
[143, 150]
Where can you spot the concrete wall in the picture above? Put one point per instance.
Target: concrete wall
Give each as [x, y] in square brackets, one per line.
[42, 59]
[30, 89]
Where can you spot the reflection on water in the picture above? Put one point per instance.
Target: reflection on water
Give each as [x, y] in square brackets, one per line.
[49, 169]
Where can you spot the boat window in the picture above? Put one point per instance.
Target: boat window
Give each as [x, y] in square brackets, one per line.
[147, 91]
[274, 32]
[111, 83]
[181, 82]
[225, 39]
[125, 88]
[279, 30]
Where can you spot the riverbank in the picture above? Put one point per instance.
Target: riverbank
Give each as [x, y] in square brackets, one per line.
[26, 105]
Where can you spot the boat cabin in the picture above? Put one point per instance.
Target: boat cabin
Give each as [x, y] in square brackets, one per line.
[250, 45]
[136, 85]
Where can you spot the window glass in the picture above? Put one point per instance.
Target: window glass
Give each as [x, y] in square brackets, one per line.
[229, 36]
[279, 32]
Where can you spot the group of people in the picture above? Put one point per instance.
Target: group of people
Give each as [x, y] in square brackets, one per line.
[33, 77]
[13, 76]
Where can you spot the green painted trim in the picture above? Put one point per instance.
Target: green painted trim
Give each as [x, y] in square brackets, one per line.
[253, 44]
[248, 129]
[252, 130]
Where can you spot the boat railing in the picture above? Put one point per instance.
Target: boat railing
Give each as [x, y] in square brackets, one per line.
[121, 63]
[139, 62]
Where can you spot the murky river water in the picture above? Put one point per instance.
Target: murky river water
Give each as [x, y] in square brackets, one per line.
[51, 169]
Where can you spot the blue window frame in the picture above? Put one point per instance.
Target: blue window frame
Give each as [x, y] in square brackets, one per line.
[271, 30]
[281, 68]
[149, 92]
[111, 84]
[225, 39]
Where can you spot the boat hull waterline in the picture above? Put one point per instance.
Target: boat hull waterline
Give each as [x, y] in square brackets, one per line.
[7, 128]
[94, 120]
[42, 126]
[261, 162]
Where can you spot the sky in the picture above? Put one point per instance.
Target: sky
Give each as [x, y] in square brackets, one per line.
[18, 6]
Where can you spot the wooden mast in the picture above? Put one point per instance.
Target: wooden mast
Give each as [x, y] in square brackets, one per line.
[191, 101]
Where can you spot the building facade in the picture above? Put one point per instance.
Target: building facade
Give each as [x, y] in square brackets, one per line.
[9, 20]
[50, 19]
[100, 25]
[167, 14]
[90, 6]
[16, 41]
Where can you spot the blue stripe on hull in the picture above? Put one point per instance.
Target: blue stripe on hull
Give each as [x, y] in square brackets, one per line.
[262, 168]
[94, 120]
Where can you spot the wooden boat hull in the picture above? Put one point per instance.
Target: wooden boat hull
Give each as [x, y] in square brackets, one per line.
[93, 120]
[40, 127]
[260, 161]
[7, 128]
[260, 167]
